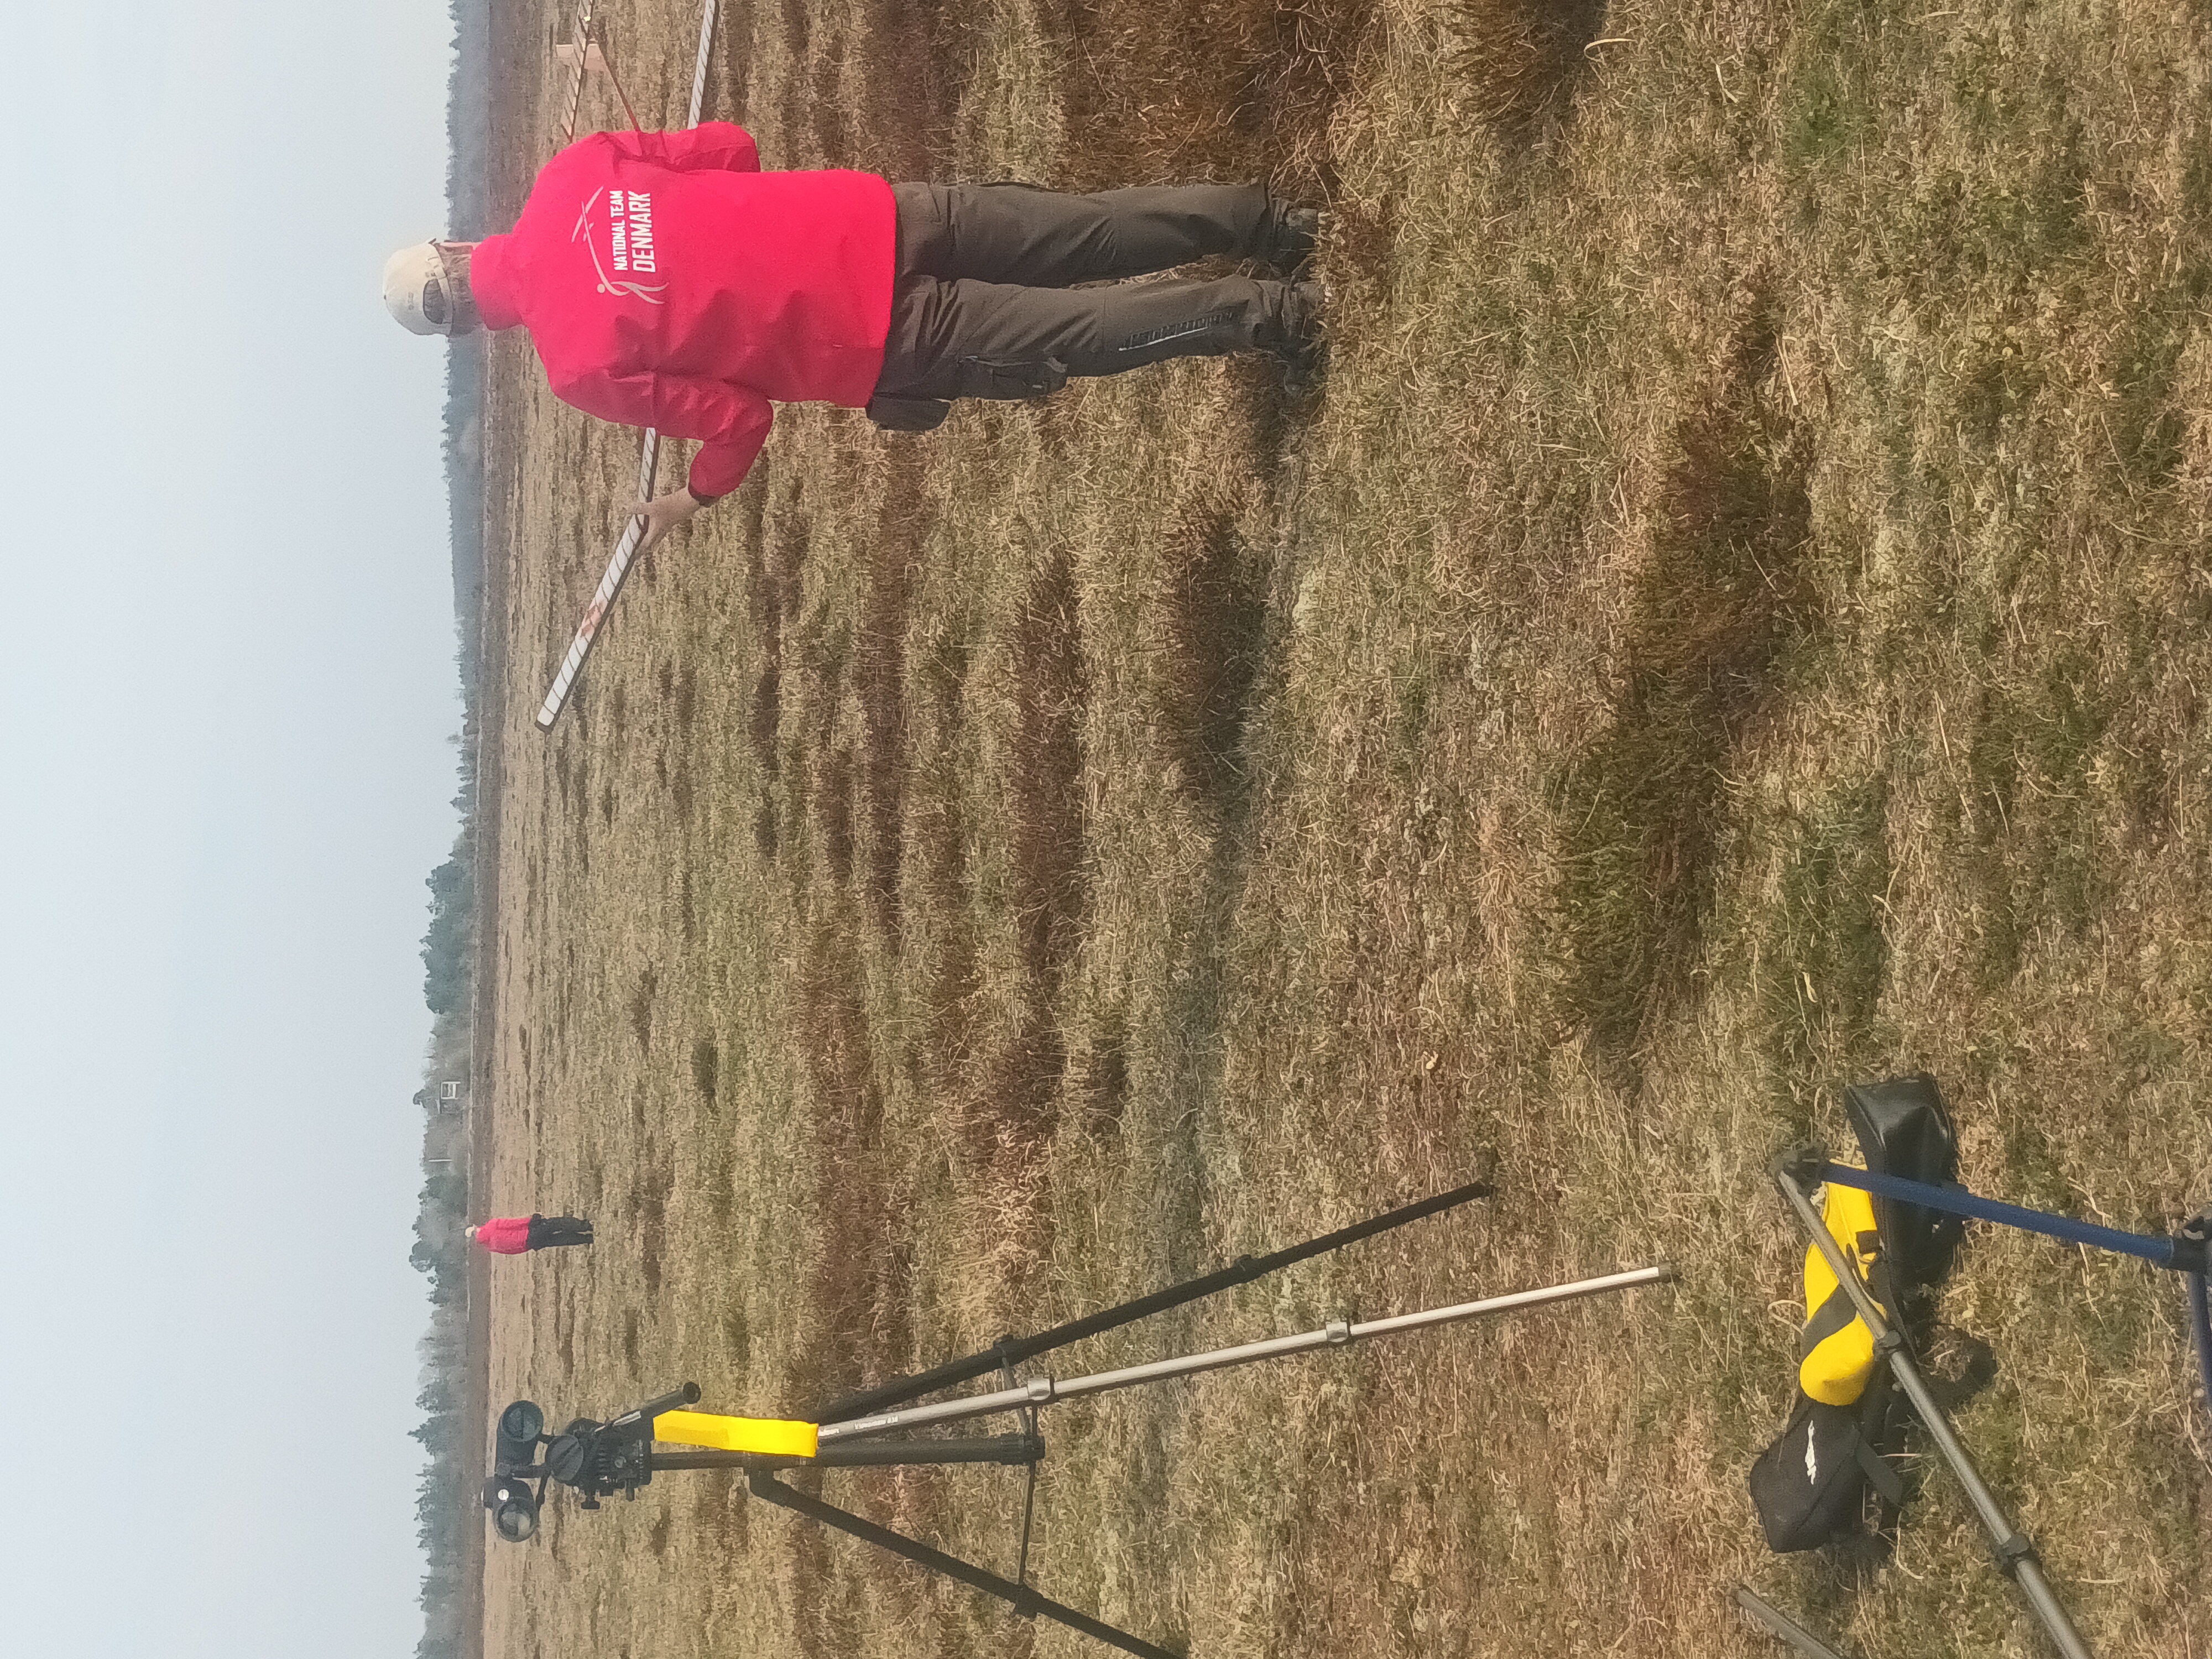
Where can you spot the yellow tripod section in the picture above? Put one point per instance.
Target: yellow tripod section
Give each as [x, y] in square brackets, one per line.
[773, 1436]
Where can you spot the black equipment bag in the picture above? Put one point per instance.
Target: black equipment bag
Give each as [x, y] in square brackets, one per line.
[1830, 1473]
[1903, 1130]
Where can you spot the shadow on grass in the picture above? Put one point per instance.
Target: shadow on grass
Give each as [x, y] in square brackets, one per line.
[1830, 940]
[1724, 592]
[1523, 61]
[1216, 613]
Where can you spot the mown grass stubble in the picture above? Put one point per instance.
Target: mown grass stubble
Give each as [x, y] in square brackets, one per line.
[1731, 625]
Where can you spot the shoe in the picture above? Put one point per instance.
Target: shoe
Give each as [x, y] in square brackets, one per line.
[1290, 243]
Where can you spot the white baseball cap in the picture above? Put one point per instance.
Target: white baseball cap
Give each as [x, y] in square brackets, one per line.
[419, 288]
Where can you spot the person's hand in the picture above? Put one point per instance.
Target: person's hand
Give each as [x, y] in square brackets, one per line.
[664, 513]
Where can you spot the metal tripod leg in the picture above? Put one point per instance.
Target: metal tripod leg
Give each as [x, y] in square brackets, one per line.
[1020, 1598]
[1781, 1624]
[1043, 1390]
[1013, 1350]
[2014, 1553]
[1009, 1449]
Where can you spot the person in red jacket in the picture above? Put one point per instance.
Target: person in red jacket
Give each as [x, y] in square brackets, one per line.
[511, 1235]
[667, 281]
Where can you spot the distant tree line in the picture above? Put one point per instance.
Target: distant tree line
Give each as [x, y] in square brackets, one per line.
[445, 1501]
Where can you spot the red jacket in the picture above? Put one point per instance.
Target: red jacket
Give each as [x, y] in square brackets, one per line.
[507, 1235]
[667, 281]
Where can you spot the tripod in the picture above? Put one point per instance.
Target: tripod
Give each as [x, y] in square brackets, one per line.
[597, 1459]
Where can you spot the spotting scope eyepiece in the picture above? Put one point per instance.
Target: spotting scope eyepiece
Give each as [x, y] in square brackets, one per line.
[514, 1442]
[514, 1507]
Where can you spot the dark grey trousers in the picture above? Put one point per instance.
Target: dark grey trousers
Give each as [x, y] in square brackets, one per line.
[550, 1231]
[985, 304]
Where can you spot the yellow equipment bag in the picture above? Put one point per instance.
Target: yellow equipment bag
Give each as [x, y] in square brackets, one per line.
[1837, 1348]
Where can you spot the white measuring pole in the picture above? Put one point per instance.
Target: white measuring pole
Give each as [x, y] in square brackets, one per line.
[556, 696]
[579, 35]
[1042, 1390]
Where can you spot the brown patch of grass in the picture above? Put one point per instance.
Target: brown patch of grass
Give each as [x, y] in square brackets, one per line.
[1051, 687]
[1720, 595]
[705, 1069]
[1214, 614]
[879, 676]
[938, 819]
[684, 701]
[641, 1006]
[1245, 92]
[862, 1248]
[798, 19]
[1522, 59]
[1358, 240]
[765, 719]
[833, 812]
[1016, 1112]
[772, 594]
[1102, 1085]
[650, 1178]
[915, 58]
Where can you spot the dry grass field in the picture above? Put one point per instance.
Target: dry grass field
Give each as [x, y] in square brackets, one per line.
[1732, 623]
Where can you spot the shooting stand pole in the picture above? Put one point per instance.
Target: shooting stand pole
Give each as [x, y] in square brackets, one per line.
[1010, 1351]
[2015, 1555]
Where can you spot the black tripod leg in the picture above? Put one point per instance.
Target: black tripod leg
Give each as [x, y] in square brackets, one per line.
[1013, 1450]
[1020, 1598]
[1013, 1350]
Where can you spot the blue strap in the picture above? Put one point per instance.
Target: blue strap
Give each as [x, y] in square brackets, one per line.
[1958, 1201]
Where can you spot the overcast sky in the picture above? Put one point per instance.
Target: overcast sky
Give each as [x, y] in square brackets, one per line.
[228, 691]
